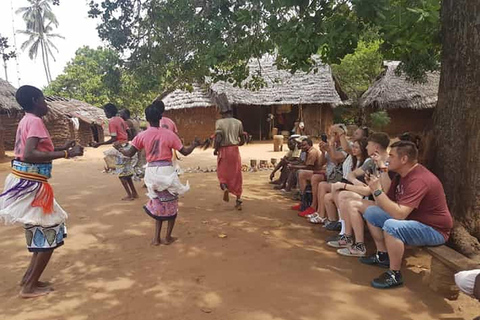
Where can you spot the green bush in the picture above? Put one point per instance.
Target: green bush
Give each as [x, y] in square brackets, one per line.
[379, 119]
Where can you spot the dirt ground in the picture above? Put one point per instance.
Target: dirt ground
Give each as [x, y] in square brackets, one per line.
[272, 265]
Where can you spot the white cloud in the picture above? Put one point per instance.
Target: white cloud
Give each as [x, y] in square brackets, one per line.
[74, 25]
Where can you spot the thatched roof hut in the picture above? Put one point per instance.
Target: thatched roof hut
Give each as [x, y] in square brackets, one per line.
[409, 105]
[391, 91]
[183, 99]
[79, 109]
[58, 119]
[308, 97]
[8, 104]
[192, 111]
[91, 119]
[283, 87]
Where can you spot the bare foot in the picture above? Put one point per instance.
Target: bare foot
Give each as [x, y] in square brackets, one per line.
[155, 243]
[170, 240]
[226, 195]
[135, 196]
[35, 293]
[238, 205]
[40, 284]
[128, 198]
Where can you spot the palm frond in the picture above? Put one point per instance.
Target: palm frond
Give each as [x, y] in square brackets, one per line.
[22, 9]
[27, 32]
[49, 15]
[54, 35]
[33, 52]
[49, 51]
[27, 43]
[51, 44]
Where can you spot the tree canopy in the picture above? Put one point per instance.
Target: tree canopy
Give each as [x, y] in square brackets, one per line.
[167, 43]
[97, 77]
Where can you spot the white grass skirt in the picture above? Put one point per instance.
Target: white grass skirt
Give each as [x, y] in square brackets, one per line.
[20, 210]
[163, 178]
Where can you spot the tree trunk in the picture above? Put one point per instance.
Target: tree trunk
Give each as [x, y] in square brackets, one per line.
[48, 63]
[44, 62]
[457, 121]
[6, 72]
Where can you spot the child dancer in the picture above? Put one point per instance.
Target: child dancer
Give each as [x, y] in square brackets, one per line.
[28, 197]
[124, 165]
[161, 179]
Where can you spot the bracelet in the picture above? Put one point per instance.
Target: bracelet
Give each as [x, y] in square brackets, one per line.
[66, 154]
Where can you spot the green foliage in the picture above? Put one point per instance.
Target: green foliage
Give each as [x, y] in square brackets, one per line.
[379, 119]
[169, 43]
[96, 76]
[357, 71]
[4, 51]
[346, 115]
[410, 30]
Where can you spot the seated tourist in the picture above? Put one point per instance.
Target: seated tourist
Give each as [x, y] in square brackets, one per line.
[293, 155]
[413, 212]
[351, 198]
[354, 161]
[334, 156]
[469, 282]
[320, 187]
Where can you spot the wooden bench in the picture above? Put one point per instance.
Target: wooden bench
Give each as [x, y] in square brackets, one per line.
[445, 263]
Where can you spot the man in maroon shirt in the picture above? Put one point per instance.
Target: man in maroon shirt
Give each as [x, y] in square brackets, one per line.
[413, 212]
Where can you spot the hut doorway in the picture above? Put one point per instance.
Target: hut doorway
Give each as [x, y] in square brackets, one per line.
[288, 114]
[255, 119]
[96, 136]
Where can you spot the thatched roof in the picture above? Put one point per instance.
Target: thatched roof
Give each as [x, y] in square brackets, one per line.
[8, 104]
[58, 107]
[282, 87]
[78, 109]
[181, 99]
[390, 91]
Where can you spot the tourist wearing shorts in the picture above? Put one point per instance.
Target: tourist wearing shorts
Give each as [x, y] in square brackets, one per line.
[413, 212]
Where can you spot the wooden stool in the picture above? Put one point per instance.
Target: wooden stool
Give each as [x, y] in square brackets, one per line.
[277, 143]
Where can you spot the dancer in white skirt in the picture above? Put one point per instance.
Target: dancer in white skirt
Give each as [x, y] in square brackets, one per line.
[161, 179]
[28, 197]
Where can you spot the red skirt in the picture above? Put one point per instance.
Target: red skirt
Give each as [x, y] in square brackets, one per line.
[229, 169]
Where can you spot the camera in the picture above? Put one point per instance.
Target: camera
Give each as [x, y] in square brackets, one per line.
[324, 137]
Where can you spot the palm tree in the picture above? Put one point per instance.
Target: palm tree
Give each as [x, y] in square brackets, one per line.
[41, 40]
[40, 21]
[37, 14]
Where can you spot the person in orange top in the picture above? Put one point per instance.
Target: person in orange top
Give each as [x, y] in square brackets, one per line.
[118, 133]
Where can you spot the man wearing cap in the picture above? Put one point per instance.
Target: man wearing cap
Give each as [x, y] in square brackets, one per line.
[228, 137]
